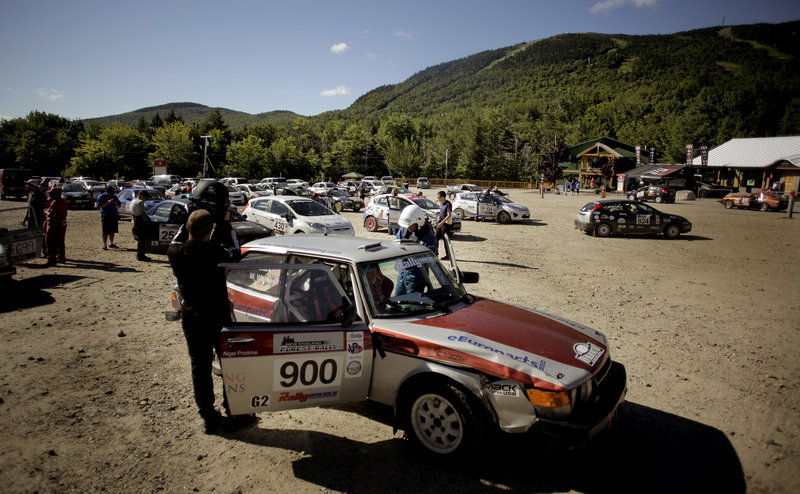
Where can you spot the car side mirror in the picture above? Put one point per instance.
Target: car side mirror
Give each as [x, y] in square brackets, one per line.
[469, 277]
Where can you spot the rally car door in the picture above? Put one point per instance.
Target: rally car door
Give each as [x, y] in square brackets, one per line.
[287, 346]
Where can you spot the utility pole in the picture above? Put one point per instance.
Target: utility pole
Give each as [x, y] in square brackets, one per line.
[205, 155]
[446, 153]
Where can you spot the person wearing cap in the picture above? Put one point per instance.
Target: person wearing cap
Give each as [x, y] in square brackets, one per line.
[107, 203]
[56, 230]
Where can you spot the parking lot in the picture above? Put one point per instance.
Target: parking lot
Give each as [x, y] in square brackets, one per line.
[96, 392]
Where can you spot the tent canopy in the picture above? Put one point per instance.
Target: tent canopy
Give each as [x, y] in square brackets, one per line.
[353, 175]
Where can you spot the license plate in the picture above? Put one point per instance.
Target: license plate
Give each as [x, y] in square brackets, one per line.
[22, 249]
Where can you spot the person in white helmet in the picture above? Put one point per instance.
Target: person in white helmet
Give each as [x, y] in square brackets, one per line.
[414, 226]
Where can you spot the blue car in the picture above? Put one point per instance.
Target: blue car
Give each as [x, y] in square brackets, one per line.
[127, 195]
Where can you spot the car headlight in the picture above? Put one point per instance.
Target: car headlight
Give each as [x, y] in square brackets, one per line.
[317, 226]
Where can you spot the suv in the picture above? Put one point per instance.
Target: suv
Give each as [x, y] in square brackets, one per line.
[325, 321]
[12, 182]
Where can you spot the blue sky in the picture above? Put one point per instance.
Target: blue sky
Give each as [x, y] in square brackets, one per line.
[91, 58]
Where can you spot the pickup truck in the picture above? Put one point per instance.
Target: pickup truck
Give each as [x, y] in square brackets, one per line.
[452, 190]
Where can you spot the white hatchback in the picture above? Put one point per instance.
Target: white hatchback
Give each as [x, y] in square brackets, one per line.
[294, 214]
[492, 206]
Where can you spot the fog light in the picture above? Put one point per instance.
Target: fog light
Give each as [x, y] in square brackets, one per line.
[550, 399]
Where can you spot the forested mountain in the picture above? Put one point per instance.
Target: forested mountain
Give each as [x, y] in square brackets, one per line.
[504, 114]
[195, 112]
[706, 85]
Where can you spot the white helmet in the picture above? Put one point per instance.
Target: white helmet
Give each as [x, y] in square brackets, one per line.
[412, 214]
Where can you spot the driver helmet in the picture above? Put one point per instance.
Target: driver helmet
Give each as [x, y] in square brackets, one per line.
[212, 196]
[412, 214]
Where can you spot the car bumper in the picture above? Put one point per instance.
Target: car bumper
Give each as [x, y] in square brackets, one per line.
[584, 227]
[579, 430]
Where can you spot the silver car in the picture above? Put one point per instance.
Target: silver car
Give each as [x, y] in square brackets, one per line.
[329, 320]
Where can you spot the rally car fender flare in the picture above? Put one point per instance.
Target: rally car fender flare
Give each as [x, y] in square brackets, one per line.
[428, 374]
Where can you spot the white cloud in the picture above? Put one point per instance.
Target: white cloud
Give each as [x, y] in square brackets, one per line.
[49, 94]
[403, 33]
[339, 48]
[5, 117]
[607, 5]
[338, 91]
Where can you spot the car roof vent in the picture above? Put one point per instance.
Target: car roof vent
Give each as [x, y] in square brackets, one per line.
[371, 247]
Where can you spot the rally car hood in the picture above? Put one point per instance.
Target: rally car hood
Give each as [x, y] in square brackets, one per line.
[503, 340]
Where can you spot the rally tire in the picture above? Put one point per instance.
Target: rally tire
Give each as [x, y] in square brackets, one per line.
[445, 422]
[631, 197]
[458, 212]
[338, 207]
[764, 206]
[702, 194]
[603, 230]
[356, 209]
[371, 224]
[728, 204]
[672, 231]
[503, 218]
[659, 199]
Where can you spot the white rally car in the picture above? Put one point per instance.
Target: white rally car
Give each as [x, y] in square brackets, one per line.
[321, 321]
[293, 214]
[489, 206]
[384, 210]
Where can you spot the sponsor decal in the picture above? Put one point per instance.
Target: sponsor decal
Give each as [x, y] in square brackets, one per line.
[586, 352]
[444, 354]
[643, 219]
[355, 354]
[235, 383]
[502, 389]
[621, 221]
[307, 342]
[535, 362]
[354, 368]
[303, 397]
[253, 311]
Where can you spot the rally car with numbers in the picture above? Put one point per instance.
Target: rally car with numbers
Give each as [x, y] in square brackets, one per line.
[603, 218]
[331, 320]
[20, 239]
[166, 218]
[384, 210]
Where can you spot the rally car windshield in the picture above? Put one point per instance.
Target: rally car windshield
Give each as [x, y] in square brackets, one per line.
[409, 285]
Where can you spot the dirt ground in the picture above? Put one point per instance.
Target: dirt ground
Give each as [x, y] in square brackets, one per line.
[95, 392]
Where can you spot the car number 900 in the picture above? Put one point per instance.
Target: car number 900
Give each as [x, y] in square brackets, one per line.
[307, 373]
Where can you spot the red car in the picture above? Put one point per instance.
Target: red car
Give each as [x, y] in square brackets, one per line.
[765, 200]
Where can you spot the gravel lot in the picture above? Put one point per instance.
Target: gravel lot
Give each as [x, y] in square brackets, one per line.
[95, 393]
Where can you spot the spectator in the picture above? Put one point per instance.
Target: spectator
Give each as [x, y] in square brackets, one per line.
[55, 234]
[445, 220]
[140, 221]
[107, 203]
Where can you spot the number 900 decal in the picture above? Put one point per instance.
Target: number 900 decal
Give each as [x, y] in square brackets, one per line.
[310, 372]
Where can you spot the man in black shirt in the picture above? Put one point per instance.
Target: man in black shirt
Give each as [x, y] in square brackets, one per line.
[204, 309]
[444, 221]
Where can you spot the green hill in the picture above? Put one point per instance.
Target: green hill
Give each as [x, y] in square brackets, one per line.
[194, 112]
[722, 82]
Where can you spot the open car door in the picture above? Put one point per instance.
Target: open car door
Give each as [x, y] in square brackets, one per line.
[292, 344]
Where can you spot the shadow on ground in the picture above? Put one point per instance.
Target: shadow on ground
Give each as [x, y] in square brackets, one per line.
[647, 451]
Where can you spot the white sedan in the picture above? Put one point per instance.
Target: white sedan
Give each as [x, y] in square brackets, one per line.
[489, 206]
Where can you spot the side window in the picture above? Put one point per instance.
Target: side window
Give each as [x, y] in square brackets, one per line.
[261, 205]
[162, 212]
[285, 293]
[394, 203]
[381, 201]
[278, 208]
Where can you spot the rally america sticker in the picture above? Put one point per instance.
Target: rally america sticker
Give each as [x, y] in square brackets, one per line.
[586, 352]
